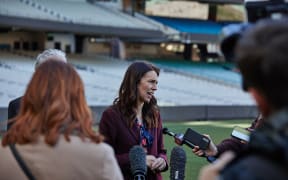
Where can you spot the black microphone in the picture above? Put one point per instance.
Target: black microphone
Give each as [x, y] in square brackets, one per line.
[137, 158]
[191, 138]
[178, 137]
[166, 131]
[177, 163]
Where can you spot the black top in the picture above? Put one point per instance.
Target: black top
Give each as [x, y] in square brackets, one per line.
[13, 109]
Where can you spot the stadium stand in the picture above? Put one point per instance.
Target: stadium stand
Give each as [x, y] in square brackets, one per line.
[102, 77]
[186, 91]
[219, 72]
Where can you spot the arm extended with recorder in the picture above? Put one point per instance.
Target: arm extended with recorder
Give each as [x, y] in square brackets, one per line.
[191, 138]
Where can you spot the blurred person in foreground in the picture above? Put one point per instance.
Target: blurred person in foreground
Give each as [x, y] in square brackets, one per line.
[229, 38]
[261, 55]
[134, 119]
[56, 54]
[53, 131]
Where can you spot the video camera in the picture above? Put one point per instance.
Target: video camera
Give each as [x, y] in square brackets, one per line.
[256, 10]
[260, 9]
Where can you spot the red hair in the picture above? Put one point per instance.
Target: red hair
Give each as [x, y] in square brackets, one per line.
[54, 103]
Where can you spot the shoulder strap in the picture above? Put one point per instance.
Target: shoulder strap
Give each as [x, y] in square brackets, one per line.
[21, 162]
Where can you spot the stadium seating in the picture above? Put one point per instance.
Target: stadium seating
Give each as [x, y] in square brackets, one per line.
[223, 73]
[102, 77]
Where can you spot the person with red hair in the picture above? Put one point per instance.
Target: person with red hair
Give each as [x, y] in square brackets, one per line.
[52, 136]
[56, 54]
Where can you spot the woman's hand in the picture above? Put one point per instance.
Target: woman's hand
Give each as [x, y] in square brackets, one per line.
[155, 164]
[150, 159]
[159, 164]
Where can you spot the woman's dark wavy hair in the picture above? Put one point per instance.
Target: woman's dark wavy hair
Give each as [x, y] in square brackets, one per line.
[54, 104]
[128, 94]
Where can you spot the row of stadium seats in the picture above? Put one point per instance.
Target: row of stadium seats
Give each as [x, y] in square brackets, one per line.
[102, 77]
[224, 73]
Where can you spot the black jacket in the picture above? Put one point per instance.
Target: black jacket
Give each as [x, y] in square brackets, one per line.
[13, 109]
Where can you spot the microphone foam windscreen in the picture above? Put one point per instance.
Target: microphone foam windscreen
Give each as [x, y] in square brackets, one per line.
[137, 158]
[165, 130]
[177, 163]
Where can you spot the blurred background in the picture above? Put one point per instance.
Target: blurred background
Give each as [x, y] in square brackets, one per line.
[102, 37]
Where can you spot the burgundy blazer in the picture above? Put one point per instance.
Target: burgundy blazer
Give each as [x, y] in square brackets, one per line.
[122, 138]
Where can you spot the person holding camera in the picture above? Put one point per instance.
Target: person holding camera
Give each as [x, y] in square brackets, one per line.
[134, 119]
[261, 55]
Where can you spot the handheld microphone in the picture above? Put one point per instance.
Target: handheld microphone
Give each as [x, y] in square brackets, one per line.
[177, 137]
[137, 158]
[191, 138]
[166, 131]
[177, 163]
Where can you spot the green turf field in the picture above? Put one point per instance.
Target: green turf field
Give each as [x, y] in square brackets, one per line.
[217, 130]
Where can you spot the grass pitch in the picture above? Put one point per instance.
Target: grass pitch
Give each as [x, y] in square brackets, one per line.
[218, 130]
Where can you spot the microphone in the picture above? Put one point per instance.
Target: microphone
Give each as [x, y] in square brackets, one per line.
[137, 158]
[177, 163]
[166, 131]
[177, 137]
[191, 138]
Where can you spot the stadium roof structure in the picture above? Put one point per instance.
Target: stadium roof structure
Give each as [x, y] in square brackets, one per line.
[220, 1]
[201, 31]
[65, 16]
[85, 29]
